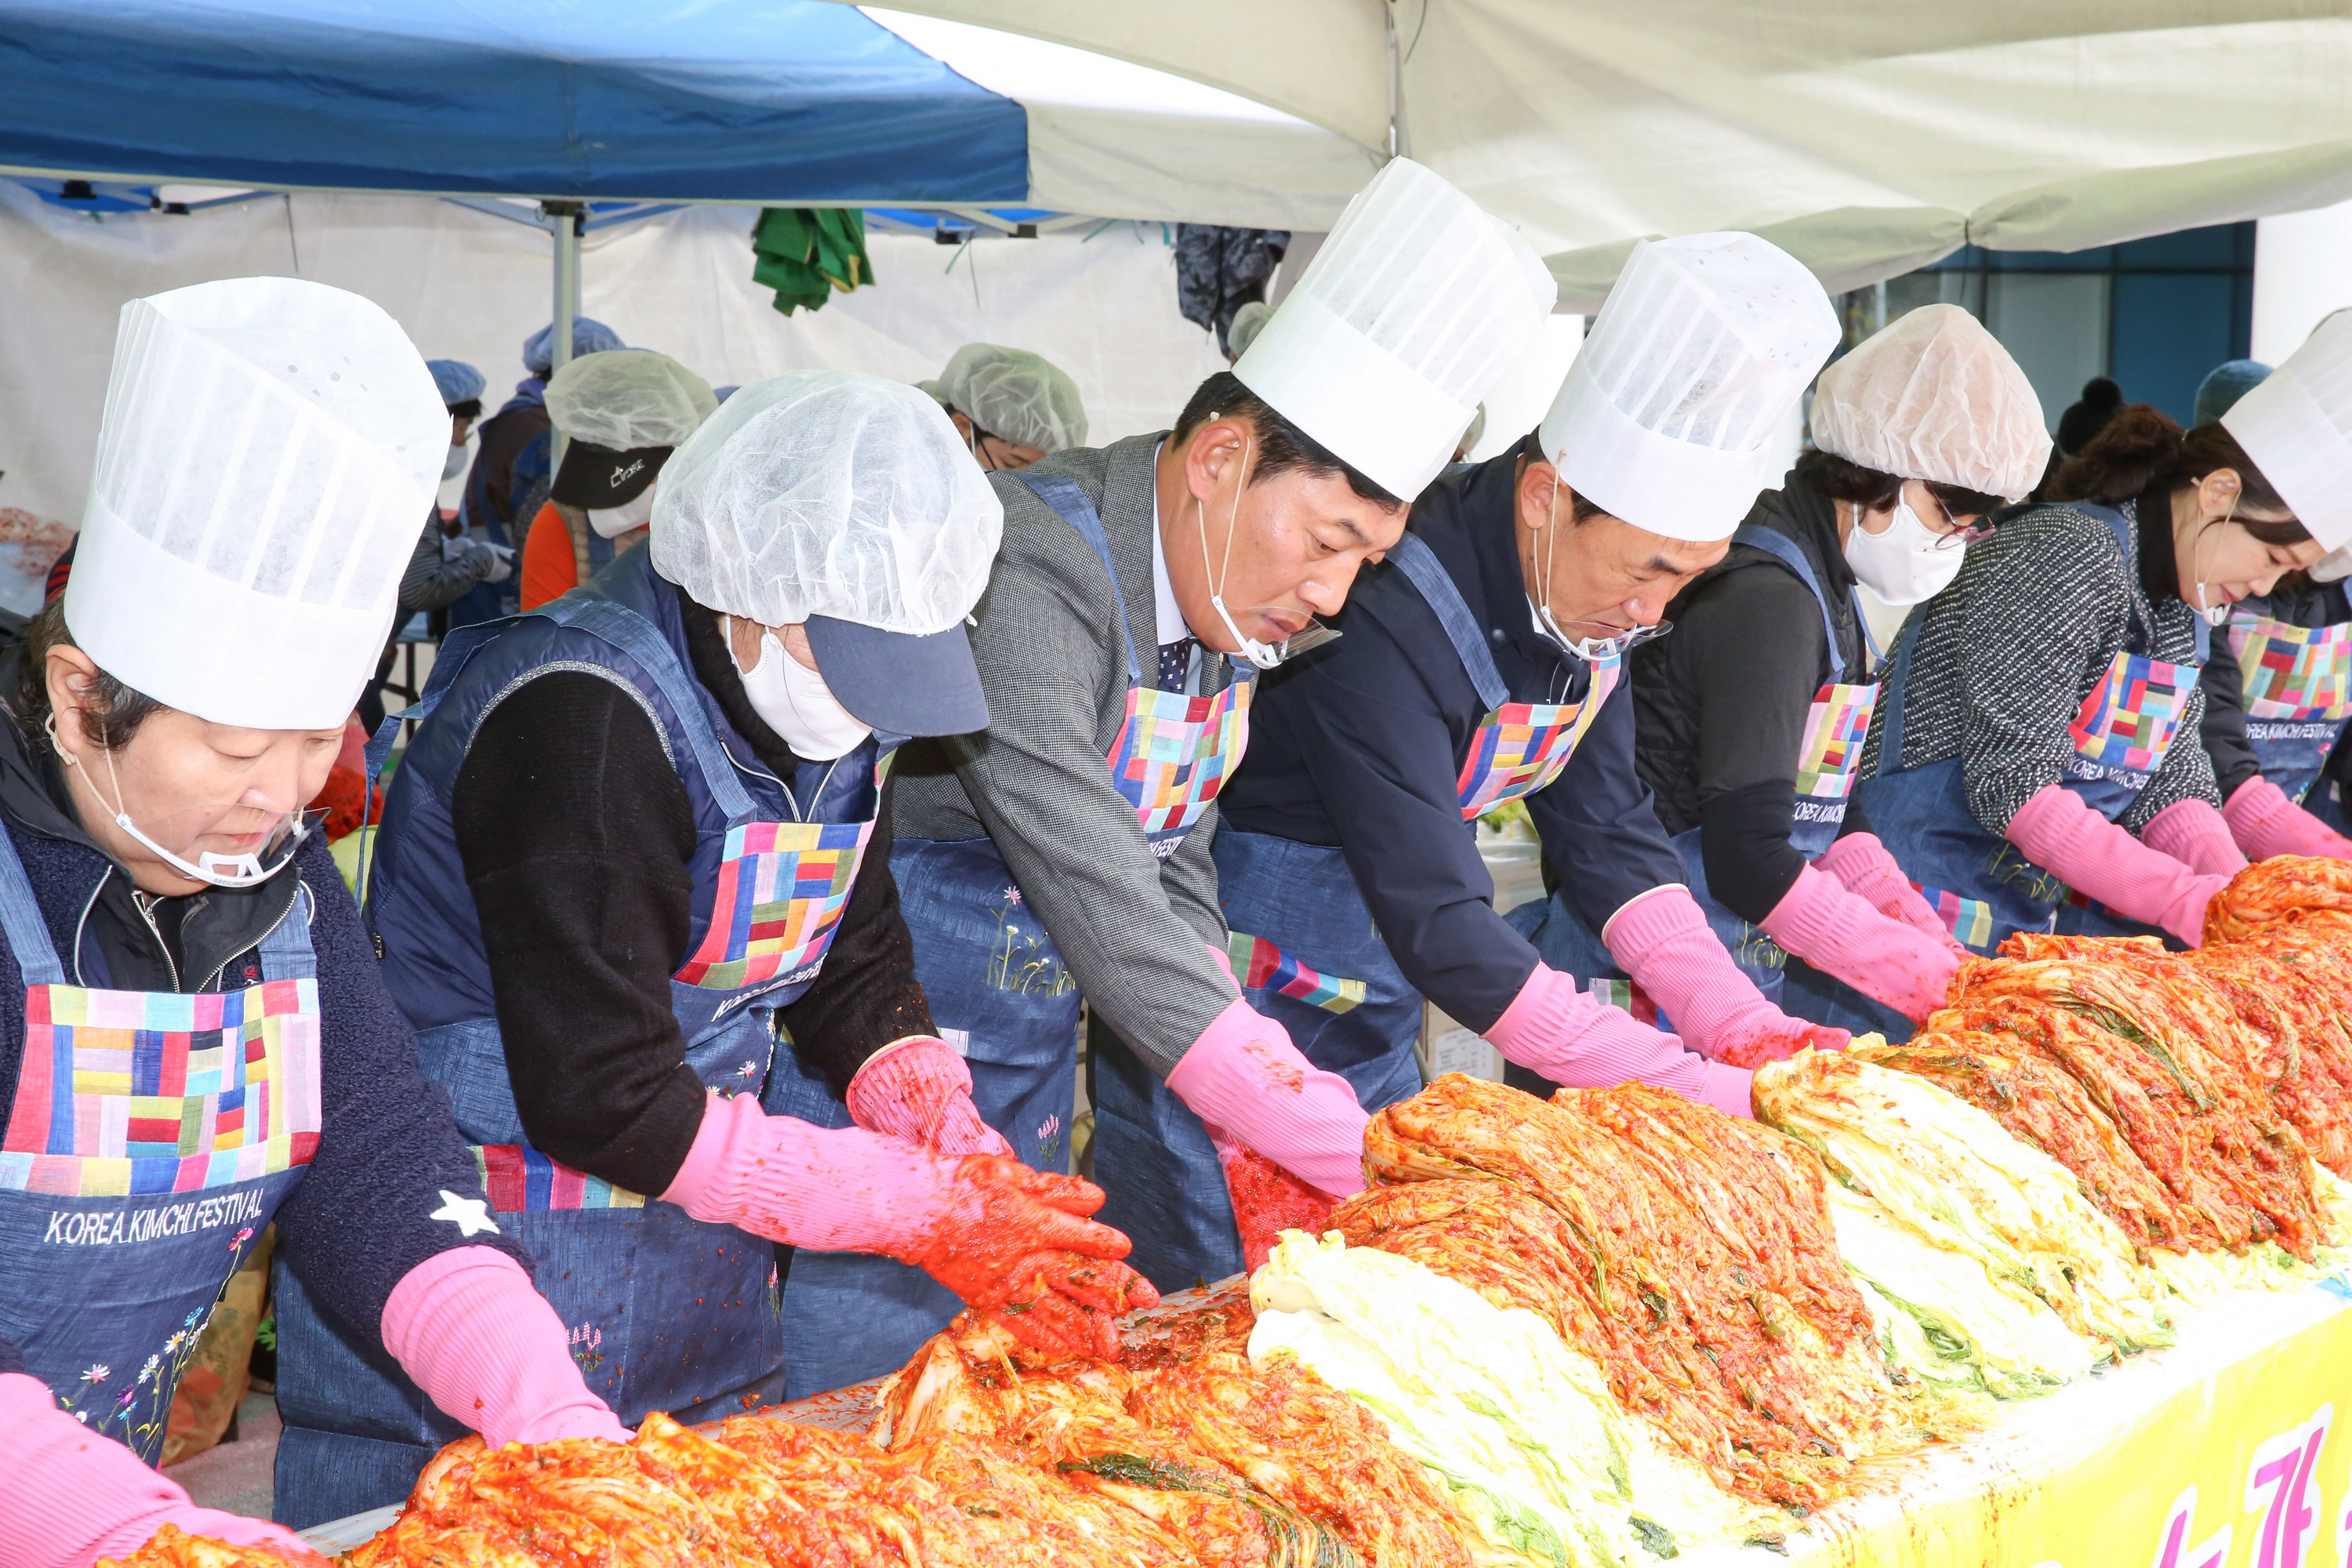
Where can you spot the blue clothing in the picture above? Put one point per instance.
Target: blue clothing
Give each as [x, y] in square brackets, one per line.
[1360, 746]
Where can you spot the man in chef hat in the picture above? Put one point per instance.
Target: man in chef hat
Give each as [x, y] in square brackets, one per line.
[193, 1036]
[1065, 850]
[1482, 666]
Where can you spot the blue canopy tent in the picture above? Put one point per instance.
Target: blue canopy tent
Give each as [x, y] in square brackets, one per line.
[785, 103]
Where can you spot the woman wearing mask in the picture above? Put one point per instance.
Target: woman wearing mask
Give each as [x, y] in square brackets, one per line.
[622, 413]
[2026, 761]
[640, 837]
[1753, 713]
[195, 1040]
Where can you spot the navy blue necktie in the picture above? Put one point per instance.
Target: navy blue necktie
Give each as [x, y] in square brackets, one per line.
[1175, 658]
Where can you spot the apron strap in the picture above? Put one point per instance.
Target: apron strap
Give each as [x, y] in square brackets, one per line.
[1420, 565]
[286, 950]
[20, 918]
[1789, 553]
[1070, 504]
[643, 641]
[1890, 694]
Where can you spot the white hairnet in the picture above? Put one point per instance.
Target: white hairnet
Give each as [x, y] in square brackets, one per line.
[1015, 395]
[627, 398]
[1934, 396]
[828, 493]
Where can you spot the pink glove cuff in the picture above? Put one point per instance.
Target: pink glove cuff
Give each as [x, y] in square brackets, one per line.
[1662, 939]
[1870, 873]
[2198, 836]
[1555, 1029]
[2264, 822]
[830, 1189]
[2056, 829]
[1823, 921]
[68, 1496]
[1244, 1077]
[918, 1091]
[474, 1334]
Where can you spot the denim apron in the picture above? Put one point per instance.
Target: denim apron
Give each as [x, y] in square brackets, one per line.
[999, 996]
[1979, 883]
[153, 1136]
[665, 1312]
[1830, 756]
[2297, 682]
[1305, 947]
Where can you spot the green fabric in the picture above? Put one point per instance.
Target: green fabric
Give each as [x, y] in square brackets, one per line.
[804, 253]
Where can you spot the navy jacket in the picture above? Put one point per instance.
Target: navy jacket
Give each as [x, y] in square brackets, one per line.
[1361, 744]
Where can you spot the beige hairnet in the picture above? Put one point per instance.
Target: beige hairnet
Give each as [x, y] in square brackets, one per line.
[1935, 398]
[627, 398]
[1015, 395]
[828, 493]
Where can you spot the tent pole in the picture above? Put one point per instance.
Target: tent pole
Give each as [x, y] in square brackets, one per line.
[1399, 139]
[562, 220]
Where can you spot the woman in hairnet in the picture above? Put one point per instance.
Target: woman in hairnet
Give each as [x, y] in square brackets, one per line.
[1752, 715]
[1012, 407]
[2277, 707]
[1483, 665]
[622, 415]
[2026, 765]
[633, 890]
[195, 1040]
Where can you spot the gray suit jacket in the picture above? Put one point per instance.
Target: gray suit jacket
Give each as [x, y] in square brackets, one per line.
[1134, 932]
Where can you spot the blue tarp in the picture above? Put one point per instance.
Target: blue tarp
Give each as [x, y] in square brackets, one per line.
[755, 100]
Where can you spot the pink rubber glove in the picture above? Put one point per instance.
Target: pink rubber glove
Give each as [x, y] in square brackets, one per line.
[1869, 871]
[1245, 1079]
[1832, 929]
[918, 1091]
[1012, 1242]
[2264, 822]
[1555, 1028]
[472, 1330]
[2198, 836]
[1661, 940]
[69, 1497]
[2056, 830]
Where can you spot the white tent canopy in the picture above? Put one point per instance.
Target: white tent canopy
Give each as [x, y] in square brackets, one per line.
[1866, 136]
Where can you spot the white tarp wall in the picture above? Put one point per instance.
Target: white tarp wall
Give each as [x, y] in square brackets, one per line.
[2303, 272]
[468, 285]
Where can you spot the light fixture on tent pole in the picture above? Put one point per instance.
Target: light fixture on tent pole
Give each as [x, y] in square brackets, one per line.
[563, 221]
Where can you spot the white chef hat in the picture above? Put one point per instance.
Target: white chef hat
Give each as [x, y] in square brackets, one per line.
[1410, 312]
[1696, 357]
[1935, 396]
[270, 450]
[2298, 428]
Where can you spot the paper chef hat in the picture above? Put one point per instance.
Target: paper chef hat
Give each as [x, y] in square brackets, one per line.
[1410, 312]
[269, 452]
[2298, 428]
[1695, 359]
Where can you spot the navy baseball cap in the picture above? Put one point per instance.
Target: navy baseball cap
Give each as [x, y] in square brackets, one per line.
[901, 683]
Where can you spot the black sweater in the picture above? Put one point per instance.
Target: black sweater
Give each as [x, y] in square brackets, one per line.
[1722, 703]
[575, 833]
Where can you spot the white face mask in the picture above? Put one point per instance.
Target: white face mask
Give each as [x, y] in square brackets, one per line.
[1591, 650]
[635, 512]
[244, 870]
[798, 705]
[455, 463]
[1907, 564]
[1266, 655]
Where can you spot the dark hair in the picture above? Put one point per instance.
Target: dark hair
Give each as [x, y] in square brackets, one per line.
[1843, 478]
[1282, 447]
[111, 710]
[469, 408]
[2142, 456]
[2102, 400]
